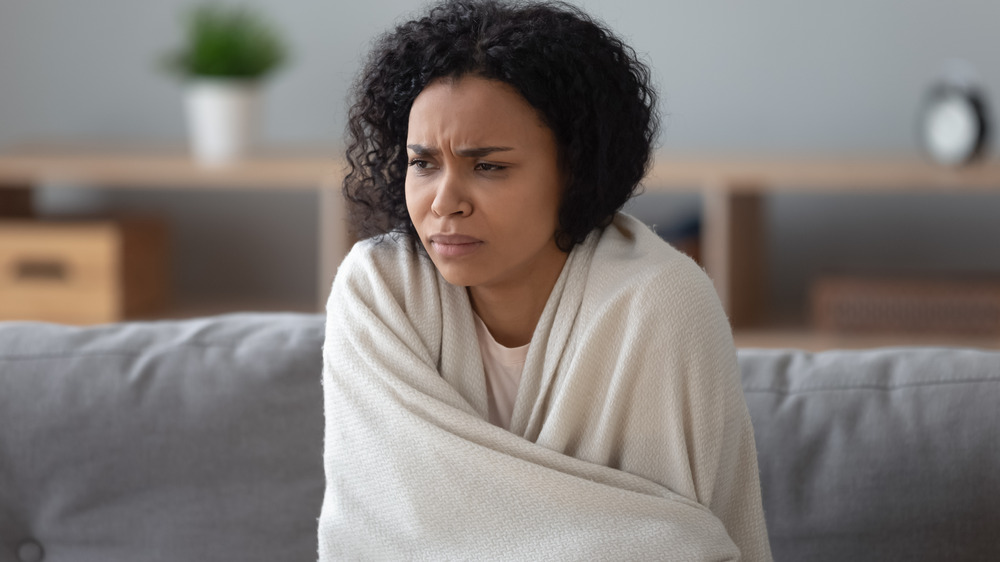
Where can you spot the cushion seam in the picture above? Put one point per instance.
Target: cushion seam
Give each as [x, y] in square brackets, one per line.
[886, 388]
[132, 353]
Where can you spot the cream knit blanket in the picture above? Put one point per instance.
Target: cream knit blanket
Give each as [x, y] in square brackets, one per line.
[630, 438]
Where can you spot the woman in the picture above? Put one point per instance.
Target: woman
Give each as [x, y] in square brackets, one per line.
[513, 369]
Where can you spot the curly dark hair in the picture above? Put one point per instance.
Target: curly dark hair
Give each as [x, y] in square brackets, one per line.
[587, 86]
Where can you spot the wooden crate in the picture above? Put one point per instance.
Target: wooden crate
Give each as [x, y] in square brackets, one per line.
[929, 304]
[82, 272]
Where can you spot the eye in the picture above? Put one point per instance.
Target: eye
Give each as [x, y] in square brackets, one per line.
[418, 163]
[487, 167]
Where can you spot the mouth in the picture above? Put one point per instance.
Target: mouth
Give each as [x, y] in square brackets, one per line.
[454, 245]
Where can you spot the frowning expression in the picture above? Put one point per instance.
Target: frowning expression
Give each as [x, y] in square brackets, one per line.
[483, 185]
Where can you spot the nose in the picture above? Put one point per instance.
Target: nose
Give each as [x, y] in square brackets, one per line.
[450, 197]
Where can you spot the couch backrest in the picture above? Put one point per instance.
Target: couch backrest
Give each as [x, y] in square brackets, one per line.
[202, 440]
[187, 440]
[890, 454]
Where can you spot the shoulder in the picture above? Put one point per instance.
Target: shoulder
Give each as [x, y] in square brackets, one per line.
[631, 261]
[644, 283]
[377, 253]
[387, 266]
[659, 306]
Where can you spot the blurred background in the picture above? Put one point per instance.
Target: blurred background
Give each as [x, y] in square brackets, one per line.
[768, 78]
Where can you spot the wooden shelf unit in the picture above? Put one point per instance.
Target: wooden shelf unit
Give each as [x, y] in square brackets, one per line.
[734, 191]
[117, 167]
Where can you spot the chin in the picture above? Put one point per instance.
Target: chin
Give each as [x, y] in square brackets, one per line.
[466, 275]
[458, 278]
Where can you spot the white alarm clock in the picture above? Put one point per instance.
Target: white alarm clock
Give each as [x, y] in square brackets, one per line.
[953, 124]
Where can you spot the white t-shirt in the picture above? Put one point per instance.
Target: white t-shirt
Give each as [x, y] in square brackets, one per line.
[503, 366]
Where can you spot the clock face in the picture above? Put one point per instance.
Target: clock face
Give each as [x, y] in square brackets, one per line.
[953, 128]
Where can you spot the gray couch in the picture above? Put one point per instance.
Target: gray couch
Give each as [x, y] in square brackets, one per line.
[202, 440]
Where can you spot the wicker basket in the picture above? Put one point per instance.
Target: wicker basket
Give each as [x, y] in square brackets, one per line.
[942, 305]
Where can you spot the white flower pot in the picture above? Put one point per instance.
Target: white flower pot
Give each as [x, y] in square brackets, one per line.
[222, 119]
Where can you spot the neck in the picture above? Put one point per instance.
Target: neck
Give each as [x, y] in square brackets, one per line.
[511, 312]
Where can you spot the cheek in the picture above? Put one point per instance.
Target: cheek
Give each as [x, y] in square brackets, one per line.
[413, 203]
[548, 202]
[535, 215]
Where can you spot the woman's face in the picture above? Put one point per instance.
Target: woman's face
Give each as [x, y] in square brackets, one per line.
[483, 185]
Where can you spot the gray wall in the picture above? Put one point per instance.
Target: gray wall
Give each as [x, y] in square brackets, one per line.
[737, 76]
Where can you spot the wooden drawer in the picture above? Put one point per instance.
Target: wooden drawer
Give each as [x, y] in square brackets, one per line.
[907, 305]
[82, 272]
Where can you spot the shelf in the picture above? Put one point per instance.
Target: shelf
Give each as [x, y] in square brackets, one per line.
[69, 166]
[859, 174]
[143, 167]
[734, 190]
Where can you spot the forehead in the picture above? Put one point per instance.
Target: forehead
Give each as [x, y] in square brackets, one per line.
[472, 109]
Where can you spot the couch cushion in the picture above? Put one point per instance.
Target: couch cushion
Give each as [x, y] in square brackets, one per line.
[179, 440]
[891, 454]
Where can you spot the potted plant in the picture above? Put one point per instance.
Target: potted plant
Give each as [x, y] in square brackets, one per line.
[226, 54]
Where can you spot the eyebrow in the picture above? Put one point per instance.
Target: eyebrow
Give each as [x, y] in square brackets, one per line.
[476, 152]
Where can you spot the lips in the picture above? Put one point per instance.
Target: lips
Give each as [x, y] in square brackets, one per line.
[454, 245]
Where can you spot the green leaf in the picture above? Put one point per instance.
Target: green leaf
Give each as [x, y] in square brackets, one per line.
[227, 42]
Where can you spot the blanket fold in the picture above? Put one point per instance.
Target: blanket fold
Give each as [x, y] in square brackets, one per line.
[629, 439]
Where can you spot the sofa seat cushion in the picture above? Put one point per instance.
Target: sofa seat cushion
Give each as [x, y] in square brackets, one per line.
[890, 454]
[175, 440]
